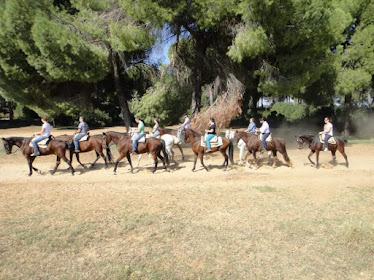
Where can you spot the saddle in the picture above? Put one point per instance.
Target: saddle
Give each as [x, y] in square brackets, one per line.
[214, 142]
[84, 138]
[268, 139]
[322, 139]
[44, 143]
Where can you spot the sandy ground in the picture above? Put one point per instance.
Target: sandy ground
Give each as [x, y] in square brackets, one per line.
[282, 223]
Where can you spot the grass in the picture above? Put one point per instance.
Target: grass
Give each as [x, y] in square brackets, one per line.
[185, 233]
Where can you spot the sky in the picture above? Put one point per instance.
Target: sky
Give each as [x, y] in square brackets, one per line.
[159, 51]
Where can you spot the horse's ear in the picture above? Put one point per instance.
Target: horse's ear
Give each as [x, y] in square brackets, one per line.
[104, 133]
[237, 131]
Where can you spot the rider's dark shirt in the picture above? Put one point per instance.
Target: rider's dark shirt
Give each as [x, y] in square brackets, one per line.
[213, 126]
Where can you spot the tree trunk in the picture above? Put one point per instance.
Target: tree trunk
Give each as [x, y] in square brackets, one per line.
[347, 113]
[121, 94]
[11, 112]
[197, 77]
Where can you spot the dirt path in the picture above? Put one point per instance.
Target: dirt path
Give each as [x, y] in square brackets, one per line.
[179, 224]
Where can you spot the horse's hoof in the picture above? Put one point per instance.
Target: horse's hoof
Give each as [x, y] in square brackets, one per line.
[39, 172]
[114, 173]
[29, 174]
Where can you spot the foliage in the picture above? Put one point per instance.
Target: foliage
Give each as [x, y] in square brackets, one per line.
[166, 99]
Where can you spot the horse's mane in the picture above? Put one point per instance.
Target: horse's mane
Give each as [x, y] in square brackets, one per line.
[195, 133]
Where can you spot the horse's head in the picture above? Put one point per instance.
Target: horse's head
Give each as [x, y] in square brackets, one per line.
[229, 134]
[7, 143]
[300, 142]
[237, 136]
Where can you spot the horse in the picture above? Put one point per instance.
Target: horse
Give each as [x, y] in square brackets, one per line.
[194, 138]
[54, 146]
[152, 145]
[316, 146]
[173, 132]
[254, 145]
[94, 142]
[241, 145]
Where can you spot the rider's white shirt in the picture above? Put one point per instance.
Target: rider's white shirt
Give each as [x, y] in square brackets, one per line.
[265, 127]
[47, 129]
[328, 127]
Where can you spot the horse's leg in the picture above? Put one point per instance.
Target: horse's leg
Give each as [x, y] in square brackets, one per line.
[309, 156]
[333, 154]
[155, 161]
[201, 156]
[226, 162]
[180, 149]
[104, 158]
[58, 161]
[194, 161]
[317, 159]
[97, 158]
[162, 159]
[345, 157]
[255, 159]
[30, 165]
[241, 152]
[77, 156]
[121, 156]
[274, 159]
[172, 155]
[139, 158]
[129, 160]
[35, 169]
[69, 163]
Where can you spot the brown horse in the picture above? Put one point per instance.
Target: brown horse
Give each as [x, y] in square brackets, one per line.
[173, 132]
[153, 146]
[254, 144]
[194, 138]
[54, 146]
[316, 146]
[94, 142]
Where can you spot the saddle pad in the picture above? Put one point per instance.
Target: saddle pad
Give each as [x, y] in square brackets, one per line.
[213, 144]
[84, 138]
[268, 139]
[322, 139]
[42, 144]
[141, 140]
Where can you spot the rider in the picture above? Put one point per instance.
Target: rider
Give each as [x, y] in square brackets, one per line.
[140, 131]
[185, 125]
[156, 128]
[81, 131]
[211, 133]
[252, 126]
[328, 130]
[265, 131]
[45, 132]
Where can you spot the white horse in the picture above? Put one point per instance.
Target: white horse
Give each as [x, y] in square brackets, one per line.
[241, 144]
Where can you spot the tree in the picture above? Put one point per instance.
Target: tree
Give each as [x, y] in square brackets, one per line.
[202, 21]
[354, 57]
[55, 55]
[286, 44]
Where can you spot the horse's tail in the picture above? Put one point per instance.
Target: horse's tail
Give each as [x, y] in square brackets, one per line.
[231, 152]
[69, 146]
[164, 152]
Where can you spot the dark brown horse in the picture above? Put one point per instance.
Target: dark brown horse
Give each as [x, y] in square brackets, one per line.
[94, 143]
[254, 144]
[173, 132]
[316, 146]
[153, 146]
[54, 146]
[194, 139]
